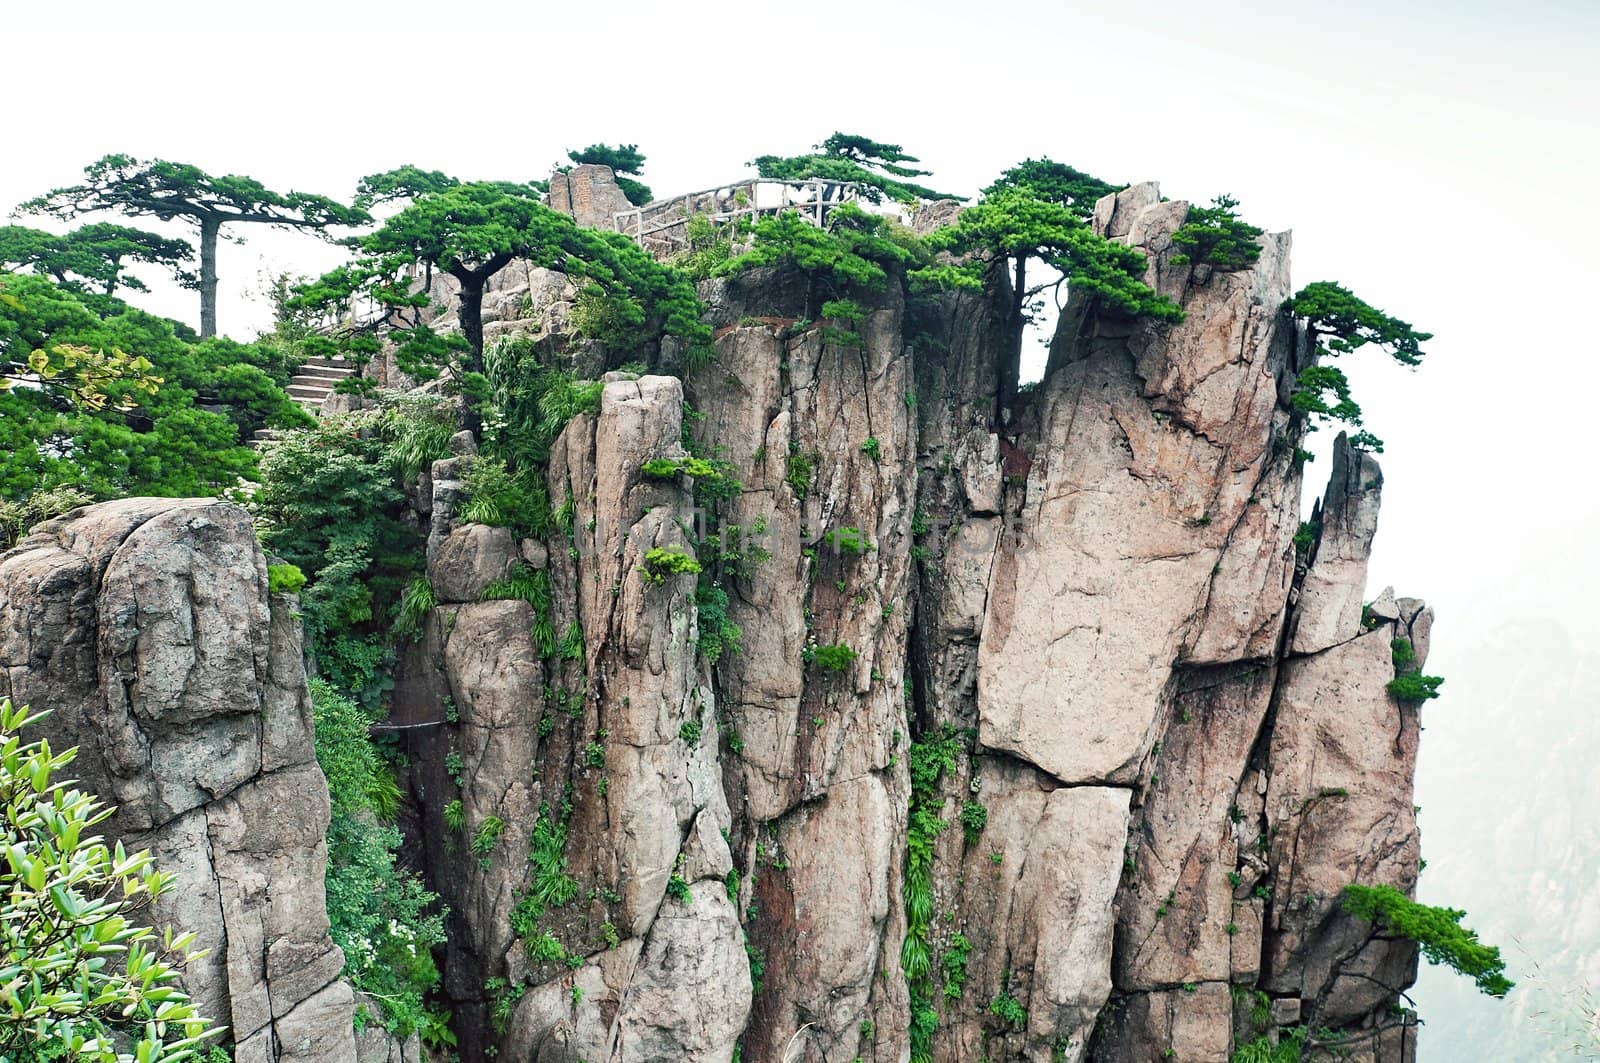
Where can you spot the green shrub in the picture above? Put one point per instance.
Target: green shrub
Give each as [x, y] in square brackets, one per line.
[455, 815]
[551, 886]
[844, 309]
[930, 758]
[974, 817]
[689, 731]
[678, 889]
[1414, 688]
[871, 448]
[17, 518]
[661, 562]
[850, 541]
[81, 978]
[799, 473]
[328, 502]
[1009, 1011]
[495, 496]
[416, 604]
[383, 917]
[285, 579]
[835, 658]
[718, 634]
[954, 963]
[488, 833]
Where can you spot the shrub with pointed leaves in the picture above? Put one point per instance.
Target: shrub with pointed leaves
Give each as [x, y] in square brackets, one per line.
[78, 977]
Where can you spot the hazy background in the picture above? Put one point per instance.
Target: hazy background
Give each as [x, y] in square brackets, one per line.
[1440, 158]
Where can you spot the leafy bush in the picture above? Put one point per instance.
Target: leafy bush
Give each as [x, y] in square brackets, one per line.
[383, 917]
[416, 603]
[551, 886]
[1413, 687]
[1437, 930]
[718, 634]
[329, 503]
[495, 496]
[974, 817]
[850, 541]
[78, 977]
[488, 833]
[285, 579]
[835, 658]
[19, 517]
[930, 758]
[661, 562]
[1009, 1010]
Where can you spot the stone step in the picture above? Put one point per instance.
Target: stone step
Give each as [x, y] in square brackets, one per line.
[333, 375]
[329, 363]
[308, 391]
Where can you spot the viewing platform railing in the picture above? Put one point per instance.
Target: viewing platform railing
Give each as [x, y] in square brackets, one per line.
[659, 227]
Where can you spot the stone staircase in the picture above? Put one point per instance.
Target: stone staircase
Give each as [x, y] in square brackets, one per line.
[309, 387]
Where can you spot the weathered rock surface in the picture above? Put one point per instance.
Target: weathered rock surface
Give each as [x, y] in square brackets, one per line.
[589, 193]
[1094, 603]
[1151, 741]
[145, 627]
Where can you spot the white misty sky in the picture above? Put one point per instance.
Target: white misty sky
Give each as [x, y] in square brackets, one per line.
[1440, 157]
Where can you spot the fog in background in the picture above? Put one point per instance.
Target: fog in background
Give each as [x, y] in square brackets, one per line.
[1439, 158]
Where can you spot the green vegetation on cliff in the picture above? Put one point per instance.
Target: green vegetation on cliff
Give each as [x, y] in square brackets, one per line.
[80, 977]
[127, 405]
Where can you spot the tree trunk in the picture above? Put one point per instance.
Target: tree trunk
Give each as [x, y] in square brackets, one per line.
[1009, 369]
[470, 301]
[209, 227]
[471, 316]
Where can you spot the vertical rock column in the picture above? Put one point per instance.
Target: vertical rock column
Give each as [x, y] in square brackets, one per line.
[145, 627]
[593, 920]
[1136, 527]
[822, 436]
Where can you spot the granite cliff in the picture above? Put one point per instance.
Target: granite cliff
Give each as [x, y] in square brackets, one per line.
[1051, 743]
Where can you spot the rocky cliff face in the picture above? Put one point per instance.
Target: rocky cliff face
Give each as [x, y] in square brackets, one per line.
[1050, 744]
[1157, 733]
[145, 627]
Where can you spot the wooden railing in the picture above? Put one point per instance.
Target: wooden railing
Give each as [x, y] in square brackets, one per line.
[660, 226]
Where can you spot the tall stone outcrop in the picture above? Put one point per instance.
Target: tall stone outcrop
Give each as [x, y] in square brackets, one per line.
[145, 628]
[1173, 742]
[1054, 741]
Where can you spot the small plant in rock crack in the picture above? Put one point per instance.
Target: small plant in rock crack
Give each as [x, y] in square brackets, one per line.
[974, 817]
[690, 732]
[678, 889]
[488, 833]
[594, 755]
[849, 541]
[661, 562]
[836, 658]
[455, 817]
[1414, 688]
[571, 647]
[872, 449]
[1007, 1007]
